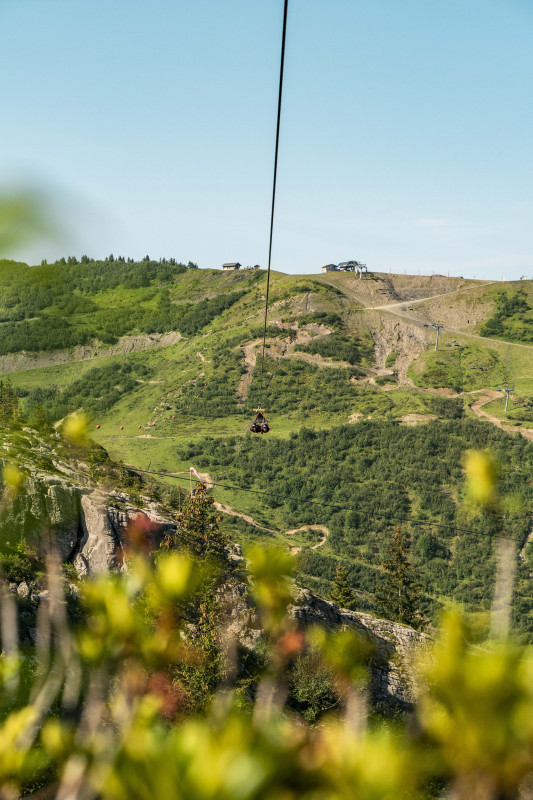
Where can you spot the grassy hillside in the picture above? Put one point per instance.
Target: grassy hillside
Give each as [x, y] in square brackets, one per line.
[350, 368]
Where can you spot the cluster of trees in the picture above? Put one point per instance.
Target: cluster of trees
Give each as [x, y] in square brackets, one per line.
[26, 291]
[71, 260]
[328, 318]
[352, 349]
[293, 385]
[55, 329]
[214, 394]
[98, 390]
[510, 319]
[9, 403]
[446, 407]
[379, 472]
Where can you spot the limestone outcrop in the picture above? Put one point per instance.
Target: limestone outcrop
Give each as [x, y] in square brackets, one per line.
[85, 526]
[46, 512]
[394, 646]
[105, 528]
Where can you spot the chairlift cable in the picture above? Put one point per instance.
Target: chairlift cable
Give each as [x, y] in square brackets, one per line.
[282, 62]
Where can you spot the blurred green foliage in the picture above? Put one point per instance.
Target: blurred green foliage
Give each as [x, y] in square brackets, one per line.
[123, 728]
[21, 218]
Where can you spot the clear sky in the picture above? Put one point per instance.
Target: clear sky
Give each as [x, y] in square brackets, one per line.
[406, 141]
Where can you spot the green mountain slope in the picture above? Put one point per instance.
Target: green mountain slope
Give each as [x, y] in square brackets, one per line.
[166, 361]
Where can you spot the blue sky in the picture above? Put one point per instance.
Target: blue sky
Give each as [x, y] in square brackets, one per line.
[406, 136]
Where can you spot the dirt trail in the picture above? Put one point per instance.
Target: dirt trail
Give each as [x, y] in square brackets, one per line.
[318, 361]
[225, 509]
[202, 357]
[395, 308]
[322, 528]
[391, 306]
[408, 339]
[486, 397]
[232, 513]
[283, 348]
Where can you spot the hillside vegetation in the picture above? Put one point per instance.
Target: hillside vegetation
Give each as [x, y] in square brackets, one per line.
[354, 390]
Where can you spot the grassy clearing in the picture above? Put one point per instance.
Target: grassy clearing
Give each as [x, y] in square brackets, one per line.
[464, 364]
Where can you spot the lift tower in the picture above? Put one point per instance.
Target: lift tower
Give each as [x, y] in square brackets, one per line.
[438, 327]
[507, 390]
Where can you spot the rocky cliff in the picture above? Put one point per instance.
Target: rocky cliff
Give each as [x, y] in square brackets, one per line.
[60, 507]
[394, 647]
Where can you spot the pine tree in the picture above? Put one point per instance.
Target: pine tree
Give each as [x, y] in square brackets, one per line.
[9, 403]
[342, 593]
[198, 533]
[400, 598]
[198, 530]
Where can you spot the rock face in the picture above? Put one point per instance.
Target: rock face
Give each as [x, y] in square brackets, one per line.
[87, 527]
[96, 551]
[394, 647]
[105, 531]
[46, 511]
[93, 530]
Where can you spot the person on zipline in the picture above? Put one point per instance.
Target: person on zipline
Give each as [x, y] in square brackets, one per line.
[260, 425]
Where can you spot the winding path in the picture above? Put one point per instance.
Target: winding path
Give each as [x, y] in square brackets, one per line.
[225, 509]
[322, 528]
[282, 350]
[390, 306]
[396, 308]
[487, 396]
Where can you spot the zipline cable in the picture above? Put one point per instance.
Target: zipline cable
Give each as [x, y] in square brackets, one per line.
[282, 62]
[325, 504]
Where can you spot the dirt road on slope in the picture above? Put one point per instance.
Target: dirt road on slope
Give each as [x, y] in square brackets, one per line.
[396, 308]
[225, 509]
[391, 306]
[322, 528]
[486, 397]
[279, 348]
